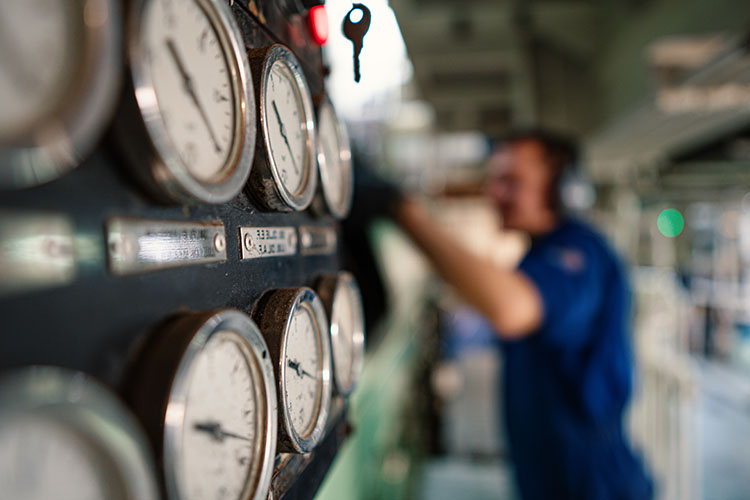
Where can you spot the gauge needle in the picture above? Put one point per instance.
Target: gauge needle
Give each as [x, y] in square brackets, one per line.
[215, 431]
[294, 365]
[283, 134]
[190, 89]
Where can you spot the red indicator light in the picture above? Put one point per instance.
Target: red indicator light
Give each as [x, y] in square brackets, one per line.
[318, 19]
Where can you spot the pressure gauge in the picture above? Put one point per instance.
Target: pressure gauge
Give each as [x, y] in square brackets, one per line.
[64, 436]
[59, 74]
[284, 176]
[192, 104]
[206, 392]
[334, 161]
[293, 321]
[343, 302]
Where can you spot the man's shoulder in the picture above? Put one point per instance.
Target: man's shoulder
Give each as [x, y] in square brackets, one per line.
[577, 236]
[580, 233]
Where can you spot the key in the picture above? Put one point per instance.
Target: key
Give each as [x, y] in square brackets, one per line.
[356, 32]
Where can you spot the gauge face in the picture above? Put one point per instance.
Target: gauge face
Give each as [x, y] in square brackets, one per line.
[41, 459]
[343, 302]
[63, 436]
[334, 160]
[193, 90]
[219, 437]
[193, 83]
[302, 384]
[285, 175]
[294, 323]
[347, 333]
[221, 415]
[286, 126]
[38, 41]
[59, 74]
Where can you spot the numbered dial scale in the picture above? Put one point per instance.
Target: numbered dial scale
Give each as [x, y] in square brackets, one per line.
[64, 436]
[192, 100]
[207, 395]
[293, 321]
[343, 302]
[284, 175]
[334, 161]
[59, 74]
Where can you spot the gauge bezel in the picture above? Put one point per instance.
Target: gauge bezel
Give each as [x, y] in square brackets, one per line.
[93, 415]
[160, 383]
[340, 210]
[60, 141]
[273, 313]
[331, 288]
[154, 158]
[265, 184]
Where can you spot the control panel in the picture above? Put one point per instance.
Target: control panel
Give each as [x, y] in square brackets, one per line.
[176, 322]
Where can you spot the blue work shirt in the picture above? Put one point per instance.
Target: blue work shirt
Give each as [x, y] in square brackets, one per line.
[566, 386]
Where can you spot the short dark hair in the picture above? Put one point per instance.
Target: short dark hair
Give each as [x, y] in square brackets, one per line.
[561, 154]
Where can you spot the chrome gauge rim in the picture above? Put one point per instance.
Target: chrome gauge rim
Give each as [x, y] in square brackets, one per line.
[281, 197]
[333, 289]
[164, 169]
[338, 204]
[87, 409]
[70, 132]
[274, 313]
[246, 333]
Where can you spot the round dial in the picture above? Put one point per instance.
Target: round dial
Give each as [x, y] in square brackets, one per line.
[219, 428]
[334, 161]
[192, 88]
[294, 323]
[193, 84]
[63, 436]
[343, 302]
[59, 63]
[285, 177]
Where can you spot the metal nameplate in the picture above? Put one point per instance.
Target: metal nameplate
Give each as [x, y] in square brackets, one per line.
[316, 240]
[137, 245]
[259, 242]
[37, 250]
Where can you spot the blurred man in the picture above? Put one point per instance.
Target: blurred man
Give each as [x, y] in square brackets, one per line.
[562, 319]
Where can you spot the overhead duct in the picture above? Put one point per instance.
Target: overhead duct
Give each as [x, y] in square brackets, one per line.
[692, 108]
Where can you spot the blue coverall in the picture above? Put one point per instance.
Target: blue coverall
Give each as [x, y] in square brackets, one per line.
[566, 386]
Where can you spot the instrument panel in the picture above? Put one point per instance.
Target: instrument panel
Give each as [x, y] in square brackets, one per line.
[168, 263]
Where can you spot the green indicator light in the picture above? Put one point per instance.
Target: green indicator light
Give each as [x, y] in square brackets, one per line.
[670, 222]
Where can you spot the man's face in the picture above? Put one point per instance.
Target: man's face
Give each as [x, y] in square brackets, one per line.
[518, 185]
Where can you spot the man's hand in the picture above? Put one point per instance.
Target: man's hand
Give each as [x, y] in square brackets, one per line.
[506, 297]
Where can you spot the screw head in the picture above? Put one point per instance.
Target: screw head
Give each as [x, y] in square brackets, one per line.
[220, 242]
[247, 241]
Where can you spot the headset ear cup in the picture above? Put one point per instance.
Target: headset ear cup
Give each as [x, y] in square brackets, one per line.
[575, 192]
[563, 188]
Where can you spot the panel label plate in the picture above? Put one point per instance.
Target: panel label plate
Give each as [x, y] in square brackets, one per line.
[137, 245]
[317, 240]
[37, 250]
[259, 242]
